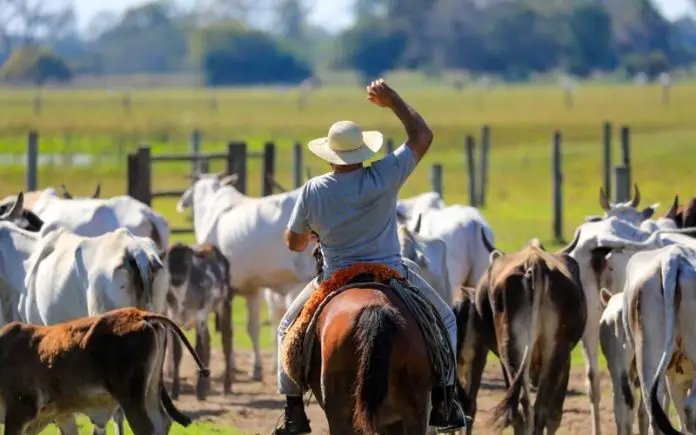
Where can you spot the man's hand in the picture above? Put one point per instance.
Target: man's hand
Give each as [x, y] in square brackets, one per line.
[379, 93]
[419, 134]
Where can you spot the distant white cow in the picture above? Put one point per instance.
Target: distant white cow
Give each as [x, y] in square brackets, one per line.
[459, 227]
[249, 232]
[627, 211]
[55, 276]
[94, 217]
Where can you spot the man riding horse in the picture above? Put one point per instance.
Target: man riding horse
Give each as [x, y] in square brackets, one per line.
[352, 210]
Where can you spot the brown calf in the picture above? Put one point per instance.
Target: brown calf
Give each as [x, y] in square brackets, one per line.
[534, 302]
[90, 364]
[198, 286]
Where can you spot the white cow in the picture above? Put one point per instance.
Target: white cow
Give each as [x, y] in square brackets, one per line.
[627, 211]
[621, 364]
[601, 266]
[55, 276]
[93, 217]
[419, 204]
[659, 301]
[250, 233]
[429, 256]
[460, 228]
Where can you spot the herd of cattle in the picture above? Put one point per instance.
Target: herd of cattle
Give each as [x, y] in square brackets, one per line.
[66, 263]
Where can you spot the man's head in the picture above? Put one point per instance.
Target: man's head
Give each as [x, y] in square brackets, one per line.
[346, 147]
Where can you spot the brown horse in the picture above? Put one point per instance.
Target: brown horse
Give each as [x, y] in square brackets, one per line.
[370, 369]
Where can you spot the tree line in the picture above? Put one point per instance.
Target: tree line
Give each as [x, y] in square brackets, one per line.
[241, 42]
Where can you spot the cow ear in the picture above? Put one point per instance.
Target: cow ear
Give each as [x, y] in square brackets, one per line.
[604, 296]
[229, 180]
[495, 255]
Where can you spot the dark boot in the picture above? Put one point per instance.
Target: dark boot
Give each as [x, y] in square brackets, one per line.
[446, 415]
[296, 422]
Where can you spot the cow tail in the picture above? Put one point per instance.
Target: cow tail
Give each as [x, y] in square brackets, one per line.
[504, 413]
[172, 410]
[203, 371]
[535, 287]
[670, 276]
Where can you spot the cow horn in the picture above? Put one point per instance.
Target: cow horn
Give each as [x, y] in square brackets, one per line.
[603, 201]
[16, 210]
[66, 192]
[636, 196]
[486, 243]
[417, 227]
[570, 246]
[672, 212]
[97, 191]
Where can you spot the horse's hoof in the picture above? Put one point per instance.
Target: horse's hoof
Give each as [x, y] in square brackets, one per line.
[257, 373]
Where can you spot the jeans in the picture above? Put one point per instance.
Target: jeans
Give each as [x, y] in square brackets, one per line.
[287, 386]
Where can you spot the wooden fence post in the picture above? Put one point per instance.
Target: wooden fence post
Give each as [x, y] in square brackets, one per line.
[144, 186]
[626, 152]
[37, 105]
[436, 178]
[485, 148]
[297, 164]
[557, 174]
[606, 141]
[132, 176]
[195, 149]
[268, 169]
[32, 160]
[236, 163]
[622, 183]
[471, 165]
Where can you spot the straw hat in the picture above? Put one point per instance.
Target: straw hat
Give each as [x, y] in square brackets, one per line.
[347, 144]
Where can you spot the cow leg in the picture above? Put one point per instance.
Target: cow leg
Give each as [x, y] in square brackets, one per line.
[18, 413]
[119, 418]
[224, 313]
[203, 351]
[647, 360]
[67, 425]
[175, 364]
[254, 330]
[551, 393]
[643, 420]
[590, 345]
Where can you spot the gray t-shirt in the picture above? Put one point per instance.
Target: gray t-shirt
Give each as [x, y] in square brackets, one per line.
[354, 213]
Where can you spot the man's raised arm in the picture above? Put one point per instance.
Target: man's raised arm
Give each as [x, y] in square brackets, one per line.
[419, 134]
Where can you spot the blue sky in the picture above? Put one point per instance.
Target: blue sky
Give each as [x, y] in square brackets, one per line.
[330, 13]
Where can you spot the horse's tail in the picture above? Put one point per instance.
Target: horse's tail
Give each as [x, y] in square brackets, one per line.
[375, 331]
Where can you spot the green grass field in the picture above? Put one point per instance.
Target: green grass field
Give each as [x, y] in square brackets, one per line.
[522, 121]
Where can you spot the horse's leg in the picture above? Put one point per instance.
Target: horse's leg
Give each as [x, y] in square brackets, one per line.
[253, 301]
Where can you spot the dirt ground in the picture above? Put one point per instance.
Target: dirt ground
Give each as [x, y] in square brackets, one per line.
[255, 407]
